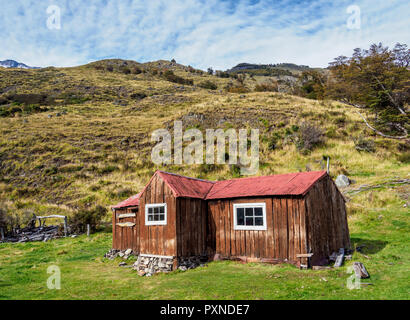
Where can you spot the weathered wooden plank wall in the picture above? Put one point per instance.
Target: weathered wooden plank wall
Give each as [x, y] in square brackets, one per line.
[125, 237]
[160, 239]
[283, 239]
[191, 227]
[327, 220]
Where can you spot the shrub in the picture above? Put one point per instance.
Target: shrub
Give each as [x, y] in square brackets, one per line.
[208, 85]
[170, 76]
[362, 144]
[308, 137]
[266, 87]
[93, 216]
[10, 220]
[237, 89]
[138, 96]
[404, 157]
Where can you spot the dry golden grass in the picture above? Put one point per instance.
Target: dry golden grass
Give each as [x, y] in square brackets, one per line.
[98, 152]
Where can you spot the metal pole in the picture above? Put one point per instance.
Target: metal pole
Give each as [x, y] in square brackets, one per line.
[328, 164]
[88, 230]
[65, 227]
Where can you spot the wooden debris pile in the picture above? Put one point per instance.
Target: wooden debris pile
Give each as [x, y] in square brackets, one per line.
[43, 233]
[33, 233]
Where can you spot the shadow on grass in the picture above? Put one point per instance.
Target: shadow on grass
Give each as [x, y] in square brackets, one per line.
[368, 246]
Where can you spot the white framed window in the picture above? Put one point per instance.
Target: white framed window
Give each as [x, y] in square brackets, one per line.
[156, 214]
[249, 216]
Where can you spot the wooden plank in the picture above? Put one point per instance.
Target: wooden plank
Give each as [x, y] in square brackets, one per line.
[360, 270]
[291, 237]
[304, 255]
[303, 228]
[277, 225]
[340, 257]
[126, 215]
[296, 220]
[268, 252]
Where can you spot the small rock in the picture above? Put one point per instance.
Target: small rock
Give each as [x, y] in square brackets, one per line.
[128, 252]
[141, 273]
[74, 236]
[342, 181]
[125, 257]
[121, 254]
[182, 268]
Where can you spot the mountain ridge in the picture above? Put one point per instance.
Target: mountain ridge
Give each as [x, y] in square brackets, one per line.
[9, 63]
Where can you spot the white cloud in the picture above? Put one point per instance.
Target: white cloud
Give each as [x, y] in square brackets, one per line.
[200, 33]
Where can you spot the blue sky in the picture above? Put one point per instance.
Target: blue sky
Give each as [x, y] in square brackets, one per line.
[201, 33]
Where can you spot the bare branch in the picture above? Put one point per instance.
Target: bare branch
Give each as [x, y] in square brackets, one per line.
[382, 134]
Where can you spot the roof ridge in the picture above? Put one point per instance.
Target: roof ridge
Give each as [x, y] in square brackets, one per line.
[191, 178]
[271, 175]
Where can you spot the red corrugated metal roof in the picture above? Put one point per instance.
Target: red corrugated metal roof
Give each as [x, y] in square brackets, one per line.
[185, 186]
[275, 185]
[130, 202]
[281, 184]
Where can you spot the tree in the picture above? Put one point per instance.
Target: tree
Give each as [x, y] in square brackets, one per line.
[312, 84]
[210, 71]
[377, 79]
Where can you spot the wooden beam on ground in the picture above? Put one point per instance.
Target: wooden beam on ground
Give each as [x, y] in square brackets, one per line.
[360, 270]
[340, 257]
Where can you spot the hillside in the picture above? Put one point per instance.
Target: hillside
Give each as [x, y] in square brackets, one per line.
[75, 137]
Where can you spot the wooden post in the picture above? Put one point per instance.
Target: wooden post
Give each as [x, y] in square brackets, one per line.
[65, 227]
[88, 230]
[2, 234]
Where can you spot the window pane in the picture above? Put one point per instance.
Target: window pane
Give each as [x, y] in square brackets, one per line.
[258, 221]
[162, 217]
[258, 212]
[150, 210]
[249, 221]
[162, 209]
[249, 212]
[156, 210]
[150, 218]
[240, 216]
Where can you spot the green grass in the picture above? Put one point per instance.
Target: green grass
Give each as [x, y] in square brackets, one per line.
[92, 145]
[85, 274]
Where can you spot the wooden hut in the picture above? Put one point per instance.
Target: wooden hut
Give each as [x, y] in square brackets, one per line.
[279, 218]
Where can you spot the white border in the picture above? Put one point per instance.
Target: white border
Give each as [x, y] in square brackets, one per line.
[250, 205]
[155, 223]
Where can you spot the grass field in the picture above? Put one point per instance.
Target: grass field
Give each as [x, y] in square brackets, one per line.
[85, 274]
[91, 145]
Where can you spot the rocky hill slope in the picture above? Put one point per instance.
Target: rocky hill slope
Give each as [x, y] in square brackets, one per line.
[81, 137]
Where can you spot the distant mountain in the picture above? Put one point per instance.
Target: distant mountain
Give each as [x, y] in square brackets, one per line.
[268, 69]
[15, 64]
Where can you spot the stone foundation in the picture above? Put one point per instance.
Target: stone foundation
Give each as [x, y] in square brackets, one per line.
[148, 265]
[114, 253]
